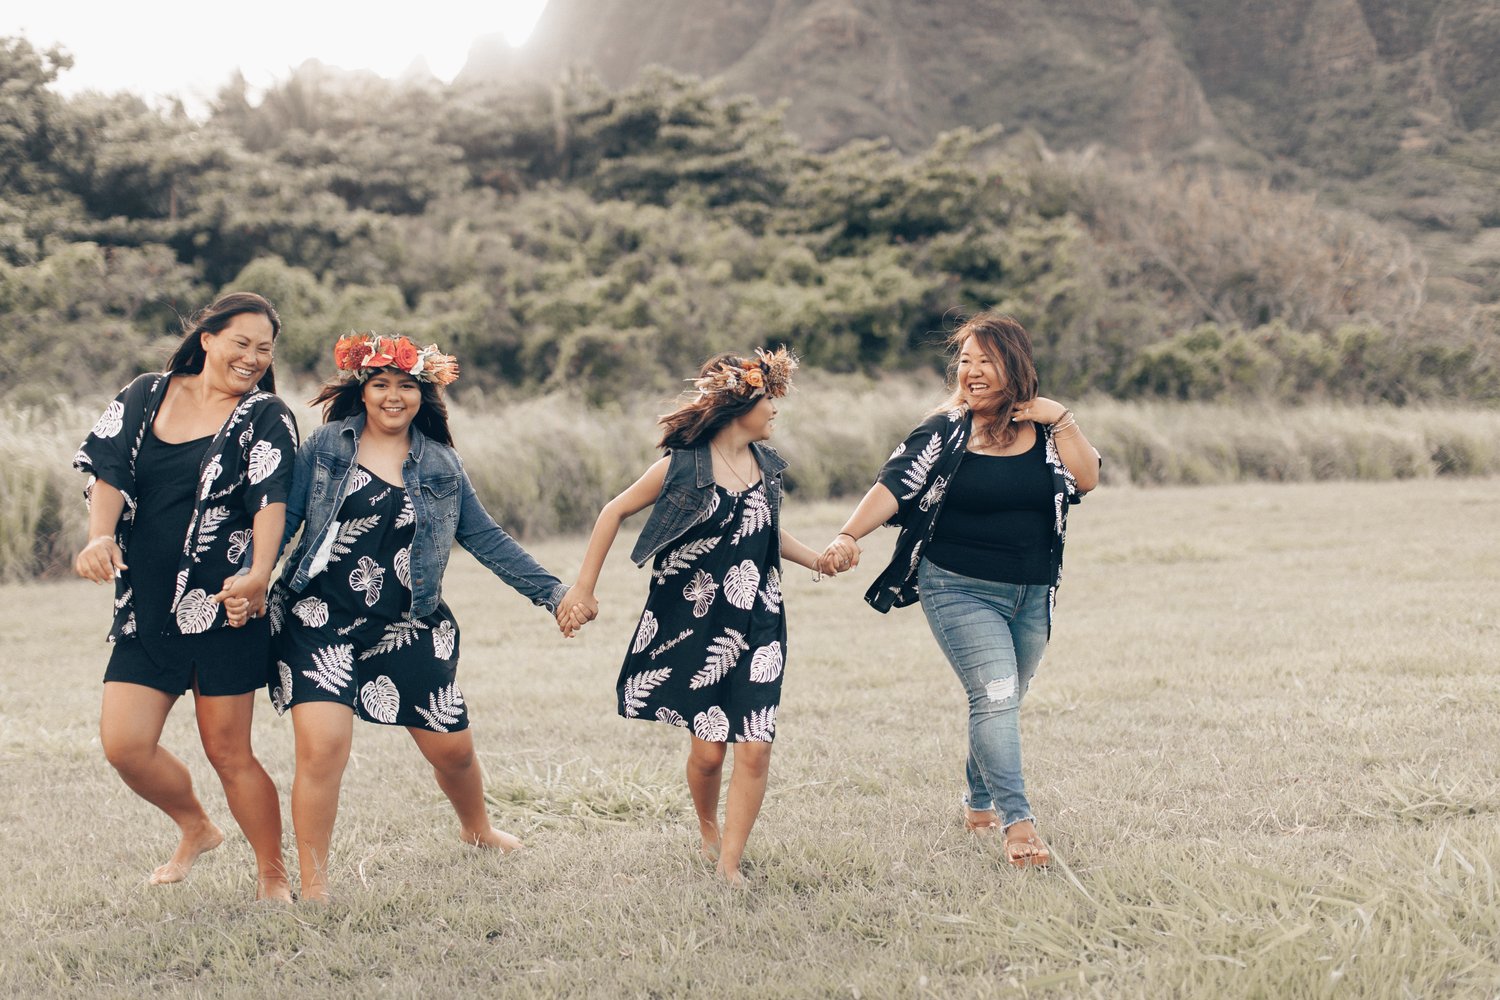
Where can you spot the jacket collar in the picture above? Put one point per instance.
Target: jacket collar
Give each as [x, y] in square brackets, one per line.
[354, 425]
[771, 464]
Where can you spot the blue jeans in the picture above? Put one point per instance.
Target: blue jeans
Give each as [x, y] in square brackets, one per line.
[994, 634]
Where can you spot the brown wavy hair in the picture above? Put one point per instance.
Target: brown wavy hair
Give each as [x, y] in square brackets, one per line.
[344, 397]
[702, 417]
[1007, 343]
[189, 356]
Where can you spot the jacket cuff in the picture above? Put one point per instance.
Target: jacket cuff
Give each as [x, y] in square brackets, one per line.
[558, 593]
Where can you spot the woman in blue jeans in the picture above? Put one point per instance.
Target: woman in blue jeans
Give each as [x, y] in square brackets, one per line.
[359, 628]
[981, 490]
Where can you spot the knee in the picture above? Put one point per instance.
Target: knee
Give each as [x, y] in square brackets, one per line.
[706, 760]
[321, 758]
[228, 755]
[124, 754]
[755, 758]
[452, 761]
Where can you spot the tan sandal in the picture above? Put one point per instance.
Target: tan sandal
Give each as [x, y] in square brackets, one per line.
[1027, 851]
[987, 823]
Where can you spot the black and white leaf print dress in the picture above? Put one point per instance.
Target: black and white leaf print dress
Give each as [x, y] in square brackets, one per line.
[349, 635]
[710, 647]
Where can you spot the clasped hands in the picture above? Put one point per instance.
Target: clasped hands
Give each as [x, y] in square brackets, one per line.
[841, 555]
[578, 607]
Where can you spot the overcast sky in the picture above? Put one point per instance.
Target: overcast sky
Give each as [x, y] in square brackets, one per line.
[188, 48]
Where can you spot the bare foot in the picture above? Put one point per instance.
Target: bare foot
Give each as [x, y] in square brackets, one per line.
[317, 893]
[708, 849]
[192, 844]
[731, 877]
[273, 888]
[498, 839]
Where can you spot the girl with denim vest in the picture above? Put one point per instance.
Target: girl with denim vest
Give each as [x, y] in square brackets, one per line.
[358, 622]
[710, 647]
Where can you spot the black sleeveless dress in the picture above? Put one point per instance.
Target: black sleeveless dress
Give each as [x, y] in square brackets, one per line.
[222, 661]
[349, 636]
[710, 646]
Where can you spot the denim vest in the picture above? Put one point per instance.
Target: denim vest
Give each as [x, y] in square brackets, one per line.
[687, 497]
[447, 510]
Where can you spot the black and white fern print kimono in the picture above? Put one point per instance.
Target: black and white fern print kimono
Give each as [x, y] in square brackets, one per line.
[710, 646]
[247, 467]
[918, 473]
[349, 635]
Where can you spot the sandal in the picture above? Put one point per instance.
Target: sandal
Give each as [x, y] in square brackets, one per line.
[1027, 851]
[986, 823]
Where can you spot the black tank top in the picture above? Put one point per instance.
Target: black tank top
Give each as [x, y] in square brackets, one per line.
[997, 516]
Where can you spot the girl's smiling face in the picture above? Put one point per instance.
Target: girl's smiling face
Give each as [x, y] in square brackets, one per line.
[392, 399]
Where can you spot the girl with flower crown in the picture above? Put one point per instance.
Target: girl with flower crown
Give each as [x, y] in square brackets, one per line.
[358, 622]
[710, 647]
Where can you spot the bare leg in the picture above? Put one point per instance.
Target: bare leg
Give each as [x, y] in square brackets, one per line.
[747, 789]
[705, 772]
[324, 732]
[459, 776]
[224, 726]
[130, 724]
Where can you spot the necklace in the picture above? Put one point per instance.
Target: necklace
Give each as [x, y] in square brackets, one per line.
[727, 464]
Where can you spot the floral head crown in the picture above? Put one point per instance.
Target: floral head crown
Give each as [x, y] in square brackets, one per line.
[364, 354]
[767, 374]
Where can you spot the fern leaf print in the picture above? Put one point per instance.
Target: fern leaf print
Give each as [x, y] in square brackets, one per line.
[639, 686]
[722, 655]
[445, 709]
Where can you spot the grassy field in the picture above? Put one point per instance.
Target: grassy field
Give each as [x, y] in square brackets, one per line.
[1263, 745]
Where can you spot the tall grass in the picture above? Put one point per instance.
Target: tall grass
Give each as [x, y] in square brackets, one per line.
[546, 465]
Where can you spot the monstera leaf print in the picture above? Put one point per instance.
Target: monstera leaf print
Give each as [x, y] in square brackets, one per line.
[402, 564]
[381, 700]
[407, 515]
[638, 686]
[671, 717]
[723, 653]
[444, 637]
[915, 476]
[311, 612]
[765, 664]
[281, 693]
[196, 612]
[335, 667]
[700, 590]
[759, 727]
[246, 435]
[770, 594]
[711, 725]
[265, 458]
[397, 635]
[755, 516]
[211, 473]
[444, 708]
[683, 556]
[349, 532]
[239, 541]
[358, 481]
[644, 632]
[366, 578]
[740, 584]
[111, 420]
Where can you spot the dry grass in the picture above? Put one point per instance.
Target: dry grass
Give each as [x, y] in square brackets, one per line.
[1262, 746]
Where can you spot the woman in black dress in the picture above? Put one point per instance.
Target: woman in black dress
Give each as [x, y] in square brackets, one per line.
[710, 646]
[189, 473]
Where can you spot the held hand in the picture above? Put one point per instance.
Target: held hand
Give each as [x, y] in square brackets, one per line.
[243, 597]
[577, 608]
[841, 555]
[99, 560]
[1040, 410]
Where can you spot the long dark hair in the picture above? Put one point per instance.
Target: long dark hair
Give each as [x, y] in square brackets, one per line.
[189, 357]
[344, 397]
[1008, 344]
[696, 421]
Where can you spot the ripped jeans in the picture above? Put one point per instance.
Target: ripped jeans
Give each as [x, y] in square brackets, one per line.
[994, 635]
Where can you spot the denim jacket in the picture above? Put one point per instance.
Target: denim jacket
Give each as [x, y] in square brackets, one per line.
[687, 497]
[447, 510]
